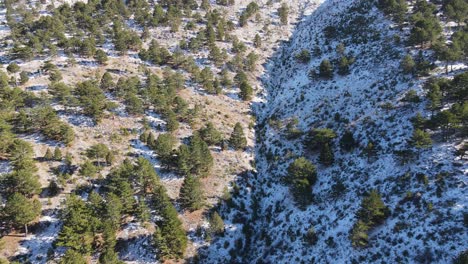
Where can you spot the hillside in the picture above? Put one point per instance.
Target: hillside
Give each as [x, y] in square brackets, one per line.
[424, 189]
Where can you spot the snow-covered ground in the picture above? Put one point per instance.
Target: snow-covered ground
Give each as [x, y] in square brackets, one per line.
[358, 102]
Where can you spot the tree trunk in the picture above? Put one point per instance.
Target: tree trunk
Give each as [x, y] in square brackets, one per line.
[25, 230]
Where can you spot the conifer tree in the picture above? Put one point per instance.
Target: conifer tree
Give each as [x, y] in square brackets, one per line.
[283, 12]
[191, 194]
[326, 155]
[48, 155]
[21, 211]
[238, 140]
[72, 257]
[216, 224]
[170, 238]
[302, 176]
[57, 154]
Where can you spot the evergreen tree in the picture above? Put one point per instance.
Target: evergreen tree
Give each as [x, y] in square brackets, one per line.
[191, 194]
[107, 82]
[184, 164]
[216, 224]
[21, 211]
[238, 140]
[210, 134]
[163, 146]
[246, 91]
[302, 175]
[326, 155]
[101, 57]
[201, 158]
[72, 257]
[48, 155]
[57, 154]
[347, 141]
[326, 69]
[21, 180]
[283, 13]
[24, 78]
[373, 210]
[257, 41]
[421, 139]
[170, 238]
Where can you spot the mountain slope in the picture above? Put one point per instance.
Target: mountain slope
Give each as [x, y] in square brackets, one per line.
[426, 219]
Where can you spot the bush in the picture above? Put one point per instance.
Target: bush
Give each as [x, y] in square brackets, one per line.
[303, 56]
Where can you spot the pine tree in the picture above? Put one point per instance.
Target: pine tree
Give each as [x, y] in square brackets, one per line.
[326, 155]
[191, 194]
[57, 154]
[238, 140]
[201, 158]
[210, 134]
[170, 238]
[302, 175]
[283, 12]
[216, 224]
[184, 165]
[48, 155]
[246, 91]
[421, 139]
[257, 41]
[163, 146]
[21, 211]
[72, 257]
[326, 69]
[373, 210]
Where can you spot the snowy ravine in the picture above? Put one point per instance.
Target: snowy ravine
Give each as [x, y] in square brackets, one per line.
[426, 225]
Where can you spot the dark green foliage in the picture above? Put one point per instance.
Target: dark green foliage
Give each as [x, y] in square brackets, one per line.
[88, 169]
[201, 159]
[134, 105]
[210, 134]
[101, 57]
[13, 68]
[457, 10]
[24, 78]
[421, 139]
[155, 54]
[311, 236]
[257, 41]
[72, 257]
[359, 237]
[396, 8]
[191, 194]
[326, 155]
[347, 141]
[21, 211]
[372, 213]
[48, 156]
[302, 175]
[426, 28]
[107, 82]
[92, 99]
[80, 224]
[317, 138]
[238, 140]
[169, 238]
[98, 152]
[303, 56]
[326, 69]
[164, 146]
[246, 91]
[283, 13]
[251, 9]
[216, 224]
[57, 154]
